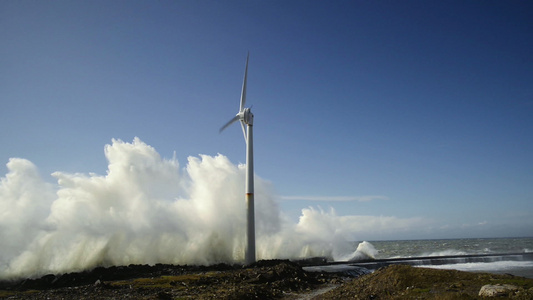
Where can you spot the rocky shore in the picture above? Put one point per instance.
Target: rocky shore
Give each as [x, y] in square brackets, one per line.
[275, 279]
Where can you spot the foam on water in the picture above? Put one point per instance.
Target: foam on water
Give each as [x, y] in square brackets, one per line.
[149, 210]
[520, 268]
[364, 251]
[434, 251]
[449, 252]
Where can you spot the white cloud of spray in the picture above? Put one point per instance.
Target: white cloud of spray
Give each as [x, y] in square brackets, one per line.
[148, 210]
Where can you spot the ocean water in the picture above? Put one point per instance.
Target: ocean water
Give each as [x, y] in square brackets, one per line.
[418, 248]
[449, 247]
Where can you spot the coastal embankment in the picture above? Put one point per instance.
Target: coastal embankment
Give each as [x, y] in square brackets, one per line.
[276, 279]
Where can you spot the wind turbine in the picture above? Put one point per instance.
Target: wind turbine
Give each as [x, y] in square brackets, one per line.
[247, 118]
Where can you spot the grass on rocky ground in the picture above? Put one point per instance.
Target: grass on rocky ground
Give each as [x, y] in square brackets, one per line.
[263, 280]
[406, 282]
[286, 280]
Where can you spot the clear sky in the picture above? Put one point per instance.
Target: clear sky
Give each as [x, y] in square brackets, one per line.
[417, 113]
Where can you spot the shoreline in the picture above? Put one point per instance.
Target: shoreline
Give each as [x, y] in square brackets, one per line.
[274, 279]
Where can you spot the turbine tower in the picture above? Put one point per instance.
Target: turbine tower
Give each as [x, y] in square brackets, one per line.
[247, 118]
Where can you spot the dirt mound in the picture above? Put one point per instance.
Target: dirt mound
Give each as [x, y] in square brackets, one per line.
[263, 280]
[54, 281]
[407, 282]
[275, 279]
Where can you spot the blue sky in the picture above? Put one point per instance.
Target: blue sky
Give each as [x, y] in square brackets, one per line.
[403, 109]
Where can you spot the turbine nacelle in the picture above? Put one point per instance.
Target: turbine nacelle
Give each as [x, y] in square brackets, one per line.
[246, 116]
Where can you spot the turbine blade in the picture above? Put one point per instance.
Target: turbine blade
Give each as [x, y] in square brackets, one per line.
[243, 130]
[235, 119]
[243, 93]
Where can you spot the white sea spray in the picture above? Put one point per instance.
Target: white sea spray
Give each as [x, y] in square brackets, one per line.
[148, 210]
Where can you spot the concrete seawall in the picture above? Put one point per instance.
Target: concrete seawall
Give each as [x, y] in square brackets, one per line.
[356, 268]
